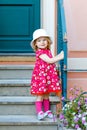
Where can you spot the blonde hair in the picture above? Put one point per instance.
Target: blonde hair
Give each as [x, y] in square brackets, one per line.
[48, 46]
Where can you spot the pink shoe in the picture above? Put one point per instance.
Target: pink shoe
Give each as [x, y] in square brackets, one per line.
[49, 114]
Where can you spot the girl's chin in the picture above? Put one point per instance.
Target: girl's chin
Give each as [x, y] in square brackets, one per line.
[42, 47]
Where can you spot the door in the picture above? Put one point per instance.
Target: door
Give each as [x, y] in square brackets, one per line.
[62, 45]
[18, 20]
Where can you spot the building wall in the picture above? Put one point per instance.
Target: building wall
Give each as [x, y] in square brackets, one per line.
[76, 21]
[48, 20]
[76, 34]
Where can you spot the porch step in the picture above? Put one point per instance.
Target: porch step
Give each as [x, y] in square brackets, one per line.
[17, 106]
[16, 71]
[22, 105]
[17, 58]
[15, 87]
[14, 82]
[22, 122]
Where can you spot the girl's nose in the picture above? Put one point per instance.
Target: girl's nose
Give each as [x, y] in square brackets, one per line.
[42, 41]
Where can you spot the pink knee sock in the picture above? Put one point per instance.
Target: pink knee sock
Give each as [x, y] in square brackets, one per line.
[38, 105]
[46, 104]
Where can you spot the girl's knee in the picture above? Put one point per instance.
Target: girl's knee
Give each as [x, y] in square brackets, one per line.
[39, 98]
[46, 96]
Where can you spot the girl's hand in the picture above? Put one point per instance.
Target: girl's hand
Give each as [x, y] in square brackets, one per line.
[61, 54]
[47, 59]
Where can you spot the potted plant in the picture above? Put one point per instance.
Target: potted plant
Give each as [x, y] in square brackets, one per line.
[74, 113]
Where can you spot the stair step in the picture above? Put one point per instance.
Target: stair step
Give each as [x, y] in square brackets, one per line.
[22, 105]
[24, 119]
[13, 67]
[15, 87]
[14, 82]
[17, 58]
[22, 122]
[21, 99]
[16, 71]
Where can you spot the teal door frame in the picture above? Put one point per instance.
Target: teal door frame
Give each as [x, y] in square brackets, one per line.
[62, 45]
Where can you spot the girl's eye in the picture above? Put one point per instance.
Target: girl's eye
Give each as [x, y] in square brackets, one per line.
[41, 40]
[44, 39]
[38, 40]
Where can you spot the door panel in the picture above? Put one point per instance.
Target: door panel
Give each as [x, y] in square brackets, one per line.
[18, 20]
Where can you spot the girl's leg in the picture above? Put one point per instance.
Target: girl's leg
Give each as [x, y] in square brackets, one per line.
[38, 104]
[46, 104]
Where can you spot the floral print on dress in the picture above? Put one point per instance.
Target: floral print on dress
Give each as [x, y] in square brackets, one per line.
[44, 77]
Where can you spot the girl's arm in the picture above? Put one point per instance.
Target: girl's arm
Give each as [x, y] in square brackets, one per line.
[47, 59]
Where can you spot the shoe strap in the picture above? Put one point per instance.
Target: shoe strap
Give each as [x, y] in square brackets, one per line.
[49, 112]
[41, 112]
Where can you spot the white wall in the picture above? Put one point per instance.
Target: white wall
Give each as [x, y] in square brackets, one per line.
[48, 19]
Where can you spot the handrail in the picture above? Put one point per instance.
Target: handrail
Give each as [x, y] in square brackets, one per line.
[63, 18]
[63, 44]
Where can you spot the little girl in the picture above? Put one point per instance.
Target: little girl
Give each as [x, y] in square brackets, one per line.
[45, 79]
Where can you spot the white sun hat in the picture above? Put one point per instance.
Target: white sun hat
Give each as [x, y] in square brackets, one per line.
[37, 34]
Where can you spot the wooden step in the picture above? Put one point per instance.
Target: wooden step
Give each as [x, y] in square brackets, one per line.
[22, 58]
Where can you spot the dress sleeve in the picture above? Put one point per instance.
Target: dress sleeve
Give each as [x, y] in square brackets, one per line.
[40, 52]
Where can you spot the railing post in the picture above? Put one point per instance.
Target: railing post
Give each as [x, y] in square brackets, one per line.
[62, 45]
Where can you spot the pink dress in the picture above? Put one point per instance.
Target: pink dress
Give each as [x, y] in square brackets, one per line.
[44, 77]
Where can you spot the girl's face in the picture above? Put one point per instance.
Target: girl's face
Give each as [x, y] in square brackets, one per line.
[42, 43]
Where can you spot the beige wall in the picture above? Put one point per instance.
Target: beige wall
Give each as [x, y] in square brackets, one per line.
[76, 22]
[76, 13]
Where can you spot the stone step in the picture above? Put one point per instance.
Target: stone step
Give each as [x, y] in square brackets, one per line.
[15, 87]
[30, 122]
[16, 71]
[22, 105]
